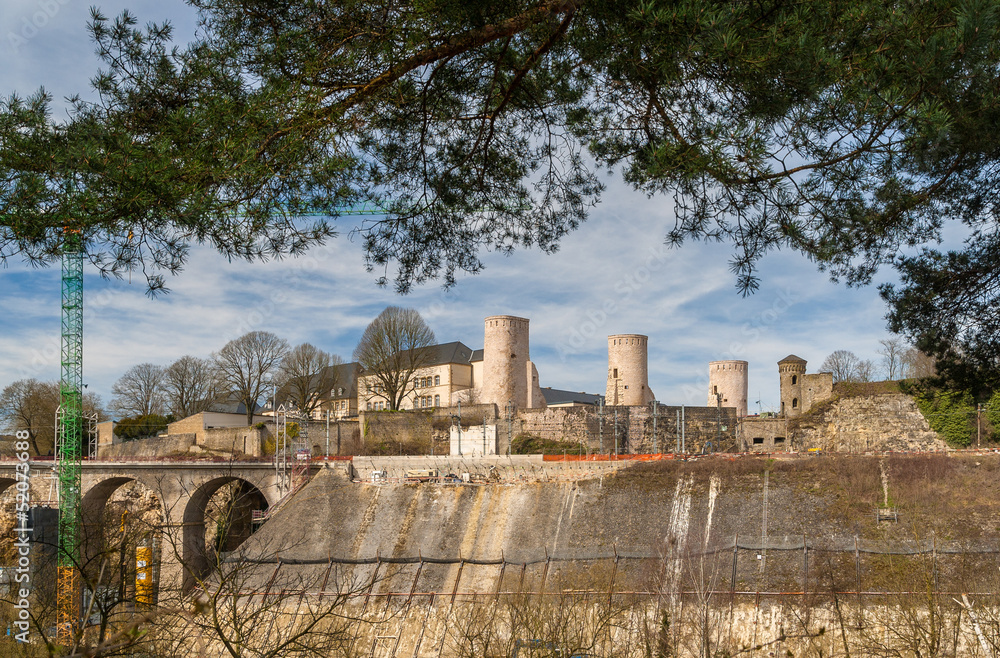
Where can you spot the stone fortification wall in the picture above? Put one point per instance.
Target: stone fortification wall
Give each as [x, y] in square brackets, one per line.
[628, 547]
[727, 383]
[650, 514]
[711, 429]
[236, 440]
[816, 388]
[867, 423]
[628, 370]
[502, 468]
[151, 447]
[417, 430]
[345, 436]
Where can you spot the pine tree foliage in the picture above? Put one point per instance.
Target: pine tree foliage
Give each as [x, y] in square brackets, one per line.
[849, 131]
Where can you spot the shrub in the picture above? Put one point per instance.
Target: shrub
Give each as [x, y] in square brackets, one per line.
[949, 413]
[526, 444]
[129, 429]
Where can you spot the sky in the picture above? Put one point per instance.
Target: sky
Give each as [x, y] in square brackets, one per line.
[612, 275]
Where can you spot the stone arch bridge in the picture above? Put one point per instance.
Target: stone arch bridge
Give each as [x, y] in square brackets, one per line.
[183, 490]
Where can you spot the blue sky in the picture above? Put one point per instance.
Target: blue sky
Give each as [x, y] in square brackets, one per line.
[613, 275]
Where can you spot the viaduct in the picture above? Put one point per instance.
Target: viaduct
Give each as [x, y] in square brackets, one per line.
[183, 490]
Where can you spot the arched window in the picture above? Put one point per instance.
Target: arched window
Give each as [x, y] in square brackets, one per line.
[437, 400]
[437, 380]
[369, 406]
[795, 403]
[794, 379]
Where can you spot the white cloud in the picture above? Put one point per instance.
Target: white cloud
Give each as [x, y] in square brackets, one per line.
[684, 299]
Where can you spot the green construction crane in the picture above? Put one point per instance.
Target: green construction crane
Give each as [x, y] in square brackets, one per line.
[70, 437]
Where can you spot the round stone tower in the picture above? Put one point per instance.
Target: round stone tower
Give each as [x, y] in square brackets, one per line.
[628, 372]
[791, 370]
[728, 384]
[505, 361]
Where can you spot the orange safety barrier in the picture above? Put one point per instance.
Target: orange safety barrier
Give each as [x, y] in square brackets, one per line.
[610, 458]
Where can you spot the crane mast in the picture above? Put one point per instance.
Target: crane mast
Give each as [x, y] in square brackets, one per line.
[70, 438]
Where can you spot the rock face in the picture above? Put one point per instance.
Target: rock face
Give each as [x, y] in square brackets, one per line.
[883, 422]
[717, 544]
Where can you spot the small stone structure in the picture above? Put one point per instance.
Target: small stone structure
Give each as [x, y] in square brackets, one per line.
[628, 370]
[728, 385]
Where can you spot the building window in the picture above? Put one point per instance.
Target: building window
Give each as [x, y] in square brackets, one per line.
[715, 390]
[614, 374]
[795, 403]
[369, 406]
[758, 440]
[437, 400]
[779, 439]
[437, 380]
[794, 379]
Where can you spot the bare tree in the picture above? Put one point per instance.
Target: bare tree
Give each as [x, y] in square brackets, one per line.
[917, 365]
[31, 405]
[191, 386]
[843, 364]
[391, 350]
[246, 362]
[307, 374]
[140, 391]
[864, 371]
[892, 357]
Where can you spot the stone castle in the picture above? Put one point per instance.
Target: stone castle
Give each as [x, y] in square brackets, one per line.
[481, 400]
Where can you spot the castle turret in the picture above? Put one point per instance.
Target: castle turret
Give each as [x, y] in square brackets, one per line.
[728, 385]
[508, 374]
[791, 371]
[628, 371]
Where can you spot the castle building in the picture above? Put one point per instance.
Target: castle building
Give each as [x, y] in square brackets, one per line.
[799, 391]
[628, 370]
[728, 385]
[446, 371]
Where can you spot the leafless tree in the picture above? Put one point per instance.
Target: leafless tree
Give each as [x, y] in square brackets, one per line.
[246, 362]
[892, 357]
[864, 371]
[31, 405]
[140, 391]
[307, 374]
[843, 364]
[917, 365]
[191, 386]
[392, 348]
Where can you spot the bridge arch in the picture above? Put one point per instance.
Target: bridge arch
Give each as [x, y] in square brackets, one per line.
[5, 484]
[97, 524]
[233, 517]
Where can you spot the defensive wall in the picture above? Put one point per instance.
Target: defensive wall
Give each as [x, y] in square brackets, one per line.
[622, 429]
[865, 423]
[785, 554]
